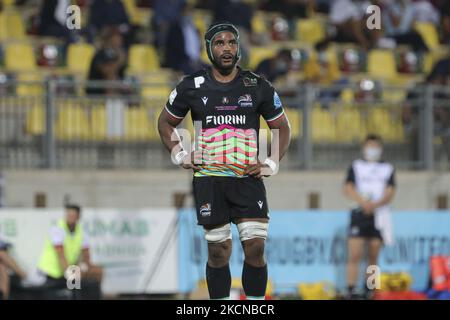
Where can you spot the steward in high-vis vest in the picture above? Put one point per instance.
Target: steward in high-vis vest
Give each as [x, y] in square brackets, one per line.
[68, 245]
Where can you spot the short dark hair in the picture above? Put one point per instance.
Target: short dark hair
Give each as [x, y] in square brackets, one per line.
[374, 137]
[75, 207]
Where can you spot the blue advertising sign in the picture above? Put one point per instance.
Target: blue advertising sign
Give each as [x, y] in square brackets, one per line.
[311, 246]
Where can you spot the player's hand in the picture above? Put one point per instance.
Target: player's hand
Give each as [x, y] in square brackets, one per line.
[368, 208]
[258, 170]
[192, 161]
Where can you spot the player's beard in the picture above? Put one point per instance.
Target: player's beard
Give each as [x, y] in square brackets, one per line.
[224, 70]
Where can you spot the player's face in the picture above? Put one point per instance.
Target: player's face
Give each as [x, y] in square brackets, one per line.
[224, 49]
[72, 217]
[372, 150]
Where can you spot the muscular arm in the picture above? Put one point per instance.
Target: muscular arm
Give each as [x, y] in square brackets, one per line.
[167, 125]
[279, 144]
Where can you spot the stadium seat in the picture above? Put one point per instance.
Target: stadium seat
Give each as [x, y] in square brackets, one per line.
[20, 57]
[381, 64]
[258, 54]
[35, 121]
[138, 16]
[199, 21]
[79, 58]
[31, 84]
[323, 126]
[11, 26]
[98, 122]
[310, 30]
[295, 119]
[349, 126]
[379, 120]
[259, 24]
[72, 122]
[429, 34]
[143, 58]
[137, 125]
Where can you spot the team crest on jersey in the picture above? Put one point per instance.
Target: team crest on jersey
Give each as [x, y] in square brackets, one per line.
[276, 100]
[245, 101]
[205, 210]
[225, 100]
[250, 82]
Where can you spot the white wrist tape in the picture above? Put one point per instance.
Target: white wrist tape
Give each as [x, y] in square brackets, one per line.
[178, 158]
[272, 165]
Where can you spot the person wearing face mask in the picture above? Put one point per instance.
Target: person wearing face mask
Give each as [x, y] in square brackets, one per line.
[370, 184]
[278, 66]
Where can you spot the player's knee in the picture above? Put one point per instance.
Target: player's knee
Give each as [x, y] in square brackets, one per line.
[219, 254]
[218, 235]
[252, 229]
[254, 251]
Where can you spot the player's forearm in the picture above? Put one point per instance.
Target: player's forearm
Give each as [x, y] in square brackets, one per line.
[351, 193]
[282, 145]
[169, 136]
[387, 197]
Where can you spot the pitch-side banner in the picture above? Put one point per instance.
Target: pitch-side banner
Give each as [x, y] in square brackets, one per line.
[311, 246]
[137, 248]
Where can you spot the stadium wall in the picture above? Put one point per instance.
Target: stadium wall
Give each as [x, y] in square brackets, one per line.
[135, 189]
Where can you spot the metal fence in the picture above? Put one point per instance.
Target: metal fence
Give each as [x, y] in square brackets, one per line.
[56, 124]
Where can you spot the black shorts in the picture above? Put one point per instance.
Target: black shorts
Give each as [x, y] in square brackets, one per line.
[219, 200]
[363, 226]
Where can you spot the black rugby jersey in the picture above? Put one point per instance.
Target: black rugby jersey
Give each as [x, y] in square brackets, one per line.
[229, 114]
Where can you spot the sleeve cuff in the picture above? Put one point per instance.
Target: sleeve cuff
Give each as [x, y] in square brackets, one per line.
[172, 114]
[276, 117]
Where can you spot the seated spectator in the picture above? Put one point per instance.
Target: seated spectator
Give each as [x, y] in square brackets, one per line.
[424, 11]
[107, 14]
[183, 45]
[275, 67]
[290, 8]
[68, 245]
[53, 18]
[398, 19]
[348, 19]
[320, 70]
[109, 62]
[166, 13]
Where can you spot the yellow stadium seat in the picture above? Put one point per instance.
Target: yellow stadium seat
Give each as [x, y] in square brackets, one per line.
[11, 26]
[98, 122]
[31, 84]
[429, 34]
[259, 24]
[137, 124]
[35, 121]
[258, 54]
[79, 58]
[137, 16]
[323, 126]
[381, 63]
[20, 57]
[310, 30]
[199, 22]
[3, 28]
[295, 119]
[72, 122]
[380, 121]
[143, 58]
[349, 126]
